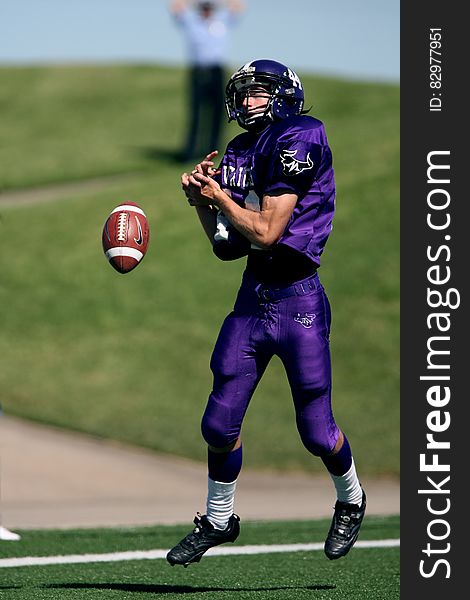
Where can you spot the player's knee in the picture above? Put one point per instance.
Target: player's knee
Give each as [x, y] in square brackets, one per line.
[214, 431]
[318, 445]
[223, 368]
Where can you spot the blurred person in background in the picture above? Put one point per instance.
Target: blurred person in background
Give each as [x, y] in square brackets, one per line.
[272, 199]
[205, 26]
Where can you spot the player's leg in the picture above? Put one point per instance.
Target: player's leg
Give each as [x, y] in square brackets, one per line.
[220, 524]
[350, 505]
[241, 355]
[237, 366]
[195, 97]
[305, 353]
[224, 466]
[217, 94]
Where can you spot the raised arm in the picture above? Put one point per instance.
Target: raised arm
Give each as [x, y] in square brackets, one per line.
[178, 6]
[235, 6]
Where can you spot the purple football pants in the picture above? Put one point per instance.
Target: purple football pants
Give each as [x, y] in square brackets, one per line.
[296, 329]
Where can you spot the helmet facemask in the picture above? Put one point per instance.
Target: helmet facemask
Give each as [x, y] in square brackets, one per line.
[253, 116]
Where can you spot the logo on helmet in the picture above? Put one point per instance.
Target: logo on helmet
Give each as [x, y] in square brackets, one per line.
[294, 78]
[293, 166]
[247, 68]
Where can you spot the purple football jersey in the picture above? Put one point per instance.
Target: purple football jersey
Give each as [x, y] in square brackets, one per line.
[292, 156]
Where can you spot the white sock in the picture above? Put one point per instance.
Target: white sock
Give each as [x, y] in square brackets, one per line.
[348, 488]
[220, 501]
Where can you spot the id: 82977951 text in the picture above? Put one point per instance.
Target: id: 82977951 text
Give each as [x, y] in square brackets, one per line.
[435, 69]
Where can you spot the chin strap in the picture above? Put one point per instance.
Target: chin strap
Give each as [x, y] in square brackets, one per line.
[257, 125]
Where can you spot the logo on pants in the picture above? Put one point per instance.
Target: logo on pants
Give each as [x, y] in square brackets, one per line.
[305, 319]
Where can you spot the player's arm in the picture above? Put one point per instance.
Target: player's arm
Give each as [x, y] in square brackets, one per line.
[178, 6]
[235, 6]
[207, 213]
[263, 228]
[208, 218]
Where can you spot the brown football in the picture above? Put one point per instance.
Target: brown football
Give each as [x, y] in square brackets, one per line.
[126, 236]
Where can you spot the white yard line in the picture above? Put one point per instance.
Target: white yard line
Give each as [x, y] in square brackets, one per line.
[31, 561]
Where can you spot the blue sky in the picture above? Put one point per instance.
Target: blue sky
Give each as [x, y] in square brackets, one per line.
[357, 39]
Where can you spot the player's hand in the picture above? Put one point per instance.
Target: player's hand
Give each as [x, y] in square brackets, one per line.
[208, 187]
[207, 164]
[192, 191]
[201, 192]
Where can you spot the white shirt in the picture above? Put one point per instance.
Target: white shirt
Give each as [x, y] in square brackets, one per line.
[207, 39]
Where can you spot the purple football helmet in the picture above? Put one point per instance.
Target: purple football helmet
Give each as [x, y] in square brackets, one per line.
[283, 88]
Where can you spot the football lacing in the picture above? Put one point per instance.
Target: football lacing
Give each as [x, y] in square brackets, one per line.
[122, 226]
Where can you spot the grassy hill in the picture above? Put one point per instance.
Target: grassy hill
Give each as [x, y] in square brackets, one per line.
[127, 357]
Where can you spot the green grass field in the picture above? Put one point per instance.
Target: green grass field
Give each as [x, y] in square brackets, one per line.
[366, 573]
[127, 357]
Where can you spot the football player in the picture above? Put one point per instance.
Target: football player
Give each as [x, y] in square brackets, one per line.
[272, 199]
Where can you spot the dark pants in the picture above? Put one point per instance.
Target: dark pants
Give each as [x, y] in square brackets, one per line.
[206, 108]
[296, 329]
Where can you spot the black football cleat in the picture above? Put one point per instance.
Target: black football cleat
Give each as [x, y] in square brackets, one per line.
[204, 536]
[344, 528]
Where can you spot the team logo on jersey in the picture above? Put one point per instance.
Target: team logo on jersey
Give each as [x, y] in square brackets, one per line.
[237, 177]
[305, 319]
[293, 166]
